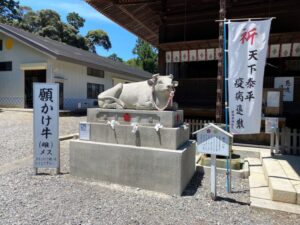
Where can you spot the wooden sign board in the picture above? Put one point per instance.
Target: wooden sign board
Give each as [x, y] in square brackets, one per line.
[46, 124]
[213, 140]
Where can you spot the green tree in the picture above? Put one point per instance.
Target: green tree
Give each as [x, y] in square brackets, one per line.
[97, 37]
[75, 20]
[47, 23]
[9, 11]
[115, 57]
[146, 55]
[134, 63]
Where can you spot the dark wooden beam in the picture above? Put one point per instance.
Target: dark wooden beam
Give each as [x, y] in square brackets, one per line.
[134, 2]
[134, 18]
[162, 62]
[275, 38]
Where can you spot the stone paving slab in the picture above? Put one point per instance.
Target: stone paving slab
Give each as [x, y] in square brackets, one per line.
[260, 192]
[272, 205]
[257, 180]
[281, 189]
[253, 161]
[291, 167]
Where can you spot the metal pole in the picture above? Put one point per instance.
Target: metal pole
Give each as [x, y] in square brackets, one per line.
[228, 159]
[245, 19]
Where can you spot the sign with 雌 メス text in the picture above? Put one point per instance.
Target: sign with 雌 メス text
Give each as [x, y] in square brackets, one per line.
[213, 140]
[84, 131]
[46, 115]
[247, 50]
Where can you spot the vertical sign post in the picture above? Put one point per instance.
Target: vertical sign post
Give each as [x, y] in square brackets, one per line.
[213, 175]
[271, 127]
[46, 116]
[214, 141]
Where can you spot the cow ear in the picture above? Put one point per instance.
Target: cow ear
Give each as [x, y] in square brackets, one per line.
[175, 83]
[171, 76]
[150, 82]
[153, 80]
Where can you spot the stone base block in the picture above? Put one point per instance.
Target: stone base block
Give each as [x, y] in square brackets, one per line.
[168, 138]
[166, 171]
[142, 117]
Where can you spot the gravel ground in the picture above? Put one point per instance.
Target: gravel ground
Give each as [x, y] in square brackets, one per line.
[63, 199]
[17, 133]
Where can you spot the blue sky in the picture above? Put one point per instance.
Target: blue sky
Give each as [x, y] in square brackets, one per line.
[122, 41]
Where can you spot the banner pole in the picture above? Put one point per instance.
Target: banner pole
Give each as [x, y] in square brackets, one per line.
[228, 182]
[246, 19]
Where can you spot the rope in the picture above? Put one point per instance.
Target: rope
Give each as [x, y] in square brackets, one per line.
[170, 101]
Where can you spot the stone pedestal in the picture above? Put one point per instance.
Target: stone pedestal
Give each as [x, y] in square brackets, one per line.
[162, 160]
[142, 117]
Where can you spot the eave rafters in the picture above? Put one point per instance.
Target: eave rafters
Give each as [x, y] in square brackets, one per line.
[157, 20]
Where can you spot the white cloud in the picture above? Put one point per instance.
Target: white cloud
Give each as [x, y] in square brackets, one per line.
[82, 8]
[66, 6]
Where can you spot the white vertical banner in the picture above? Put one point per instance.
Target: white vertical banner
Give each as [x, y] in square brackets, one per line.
[45, 118]
[247, 51]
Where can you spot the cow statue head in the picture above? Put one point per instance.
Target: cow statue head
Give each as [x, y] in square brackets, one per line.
[163, 84]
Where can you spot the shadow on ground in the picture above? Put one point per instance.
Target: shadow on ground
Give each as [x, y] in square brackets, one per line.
[231, 200]
[194, 184]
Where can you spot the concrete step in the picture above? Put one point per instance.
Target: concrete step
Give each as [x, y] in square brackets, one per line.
[272, 205]
[290, 165]
[253, 161]
[258, 184]
[280, 186]
[257, 180]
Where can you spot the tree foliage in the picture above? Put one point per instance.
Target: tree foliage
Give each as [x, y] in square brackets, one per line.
[146, 55]
[75, 20]
[134, 63]
[98, 37]
[9, 11]
[47, 23]
[115, 57]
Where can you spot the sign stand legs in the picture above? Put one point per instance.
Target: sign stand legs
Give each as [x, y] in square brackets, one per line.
[277, 141]
[213, 174]
[272, 141]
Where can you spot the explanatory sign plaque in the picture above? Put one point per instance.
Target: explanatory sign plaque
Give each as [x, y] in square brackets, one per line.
[213, 140]
[46, 116]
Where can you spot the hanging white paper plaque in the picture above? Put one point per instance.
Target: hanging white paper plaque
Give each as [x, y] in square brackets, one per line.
[84, 131]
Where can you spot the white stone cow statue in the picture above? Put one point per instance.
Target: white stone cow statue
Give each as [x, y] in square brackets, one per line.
[154, 94]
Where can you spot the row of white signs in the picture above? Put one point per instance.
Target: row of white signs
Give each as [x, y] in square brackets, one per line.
[274, 51]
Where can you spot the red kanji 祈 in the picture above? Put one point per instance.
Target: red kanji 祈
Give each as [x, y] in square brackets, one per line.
[247, 35]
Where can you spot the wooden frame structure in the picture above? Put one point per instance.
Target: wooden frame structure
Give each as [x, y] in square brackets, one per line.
[176, 25]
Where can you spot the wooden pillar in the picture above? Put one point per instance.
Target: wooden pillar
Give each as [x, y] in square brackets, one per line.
[162, 67]
[161, 62]
[220, 77]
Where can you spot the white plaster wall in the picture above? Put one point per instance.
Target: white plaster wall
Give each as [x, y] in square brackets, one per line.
[76, 78]
[12, 82]
[73, 76]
